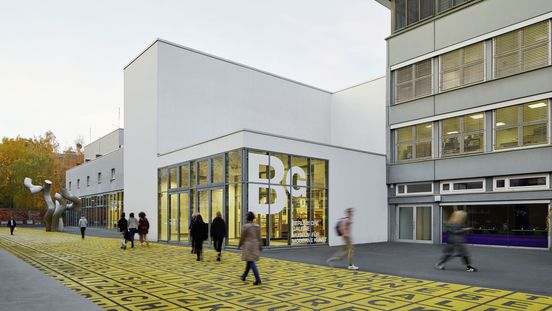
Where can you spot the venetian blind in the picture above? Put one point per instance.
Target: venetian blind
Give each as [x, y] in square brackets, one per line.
[463, 66]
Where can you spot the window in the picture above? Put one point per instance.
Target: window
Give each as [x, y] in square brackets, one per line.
[69, 186]
[522, 50]
[408, 12]
[99, 177]
[112, 174]
[78, 183]
[463, 186]
[462, 67]
[519, 183]
[414, 142]
[463, 134]
[413, 81]
[88, 181]
[419, 188]
[449, 4]
[184, 176]
[521, 125]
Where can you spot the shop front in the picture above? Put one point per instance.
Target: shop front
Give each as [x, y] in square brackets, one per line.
[289, 194]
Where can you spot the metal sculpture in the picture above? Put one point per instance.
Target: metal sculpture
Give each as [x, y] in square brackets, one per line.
[63, 202]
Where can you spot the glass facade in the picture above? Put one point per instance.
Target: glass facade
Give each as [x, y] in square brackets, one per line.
[102, 211]
[293, 191]
[507, 224]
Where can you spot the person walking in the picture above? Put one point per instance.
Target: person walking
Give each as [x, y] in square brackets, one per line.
[455, 244]
[82, 224]
[12, 224]
[143, 228]
[344, 230]
[199, 234]
[218, 233]
[132, 228]
[122, 224]
[250, 243]
[190, 231]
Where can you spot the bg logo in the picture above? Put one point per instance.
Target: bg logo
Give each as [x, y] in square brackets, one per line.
[256, 183]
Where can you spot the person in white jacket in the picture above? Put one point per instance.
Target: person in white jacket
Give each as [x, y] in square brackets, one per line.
[82, 224]
[132, 228]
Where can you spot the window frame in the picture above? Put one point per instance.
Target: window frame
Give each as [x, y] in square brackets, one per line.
[462, 67]
[418, 20]
[520, 125]
[462, 133]
[413, 81]
[520, 51]
[414, 142]
[452, 182]
[414, 223]
[406, 193]
[507, 186]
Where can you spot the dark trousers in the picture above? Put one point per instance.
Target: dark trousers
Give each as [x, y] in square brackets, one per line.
[83, 229]
[132, 232]
[251, 265]
[11, 230]
[455, 249]
[198, 247]
[217, 243]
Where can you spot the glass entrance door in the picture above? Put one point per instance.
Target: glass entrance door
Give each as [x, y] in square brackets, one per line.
[210, 202]
[414, 223]
[184, 216]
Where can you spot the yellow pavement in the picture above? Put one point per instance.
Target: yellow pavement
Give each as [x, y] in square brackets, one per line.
[165, 277]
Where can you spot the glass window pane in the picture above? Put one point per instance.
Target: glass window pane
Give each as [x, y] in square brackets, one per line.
[535, 34]
[423, 223]
[451, 126]
[451, 79]
[474, 122]
[535, 57]
[528, 182]
[302, 163]
[319, 200]
[535, 134]
[422, 87]
[423, 149]
[444, 5]
[404, 92]
[216, 204]
[406, 223]
[279, 223]
[234, 166]
[263, 169]
[193, 174]
[413, 12]
[405, 151]
[450, 60]
[535, 111]
[234, 213]
[300, 215]
[507, 65]
[217, 170]
[473, 73]
[423, 68]
[183, 221]
[404, 134]
[417, 188]
[203, 205]
[507, 116]
[470, 185]
[163, 216]
[404, 74]
[473, 142]
[318, 172]
[424, 131]
[507, 138]
[285, 160]
[163, 179]
[184, 176]
[426, 8]
[203, 172]
[507, 42]
[172, 178]
[173, 217]
[451, 145]
[400, 14]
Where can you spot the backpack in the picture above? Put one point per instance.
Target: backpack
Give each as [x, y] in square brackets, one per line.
[338, 227]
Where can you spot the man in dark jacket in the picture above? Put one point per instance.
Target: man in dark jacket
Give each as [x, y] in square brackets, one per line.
[455, 244]
[122, 224]
[199, 234]
[12, 225]
[218, 233]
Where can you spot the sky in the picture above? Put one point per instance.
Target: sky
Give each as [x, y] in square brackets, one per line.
[61, 61]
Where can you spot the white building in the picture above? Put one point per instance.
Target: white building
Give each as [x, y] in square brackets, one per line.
[206, 134]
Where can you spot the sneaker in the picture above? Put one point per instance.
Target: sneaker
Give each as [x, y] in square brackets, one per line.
[439, 266]
[352, 267]
[471, 269]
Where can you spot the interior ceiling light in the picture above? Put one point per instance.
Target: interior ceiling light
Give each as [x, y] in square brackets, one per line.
[477, 116]
[537, 105]
[429, 126]
[453, 132]
[500, 123]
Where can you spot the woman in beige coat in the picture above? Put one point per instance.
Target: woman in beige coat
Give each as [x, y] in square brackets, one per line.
[250, 243]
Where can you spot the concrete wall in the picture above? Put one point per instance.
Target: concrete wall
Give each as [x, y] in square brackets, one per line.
[102, 165]
[141, 134]
[104, 145]
[358, 117]
[202, 97]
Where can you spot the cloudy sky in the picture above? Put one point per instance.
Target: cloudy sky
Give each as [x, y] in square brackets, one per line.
[61, 61]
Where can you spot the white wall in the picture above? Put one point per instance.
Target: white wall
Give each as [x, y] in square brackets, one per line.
[141, 135]
[202, 97]
[358, 117]
[104, 165]
[104, 145]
